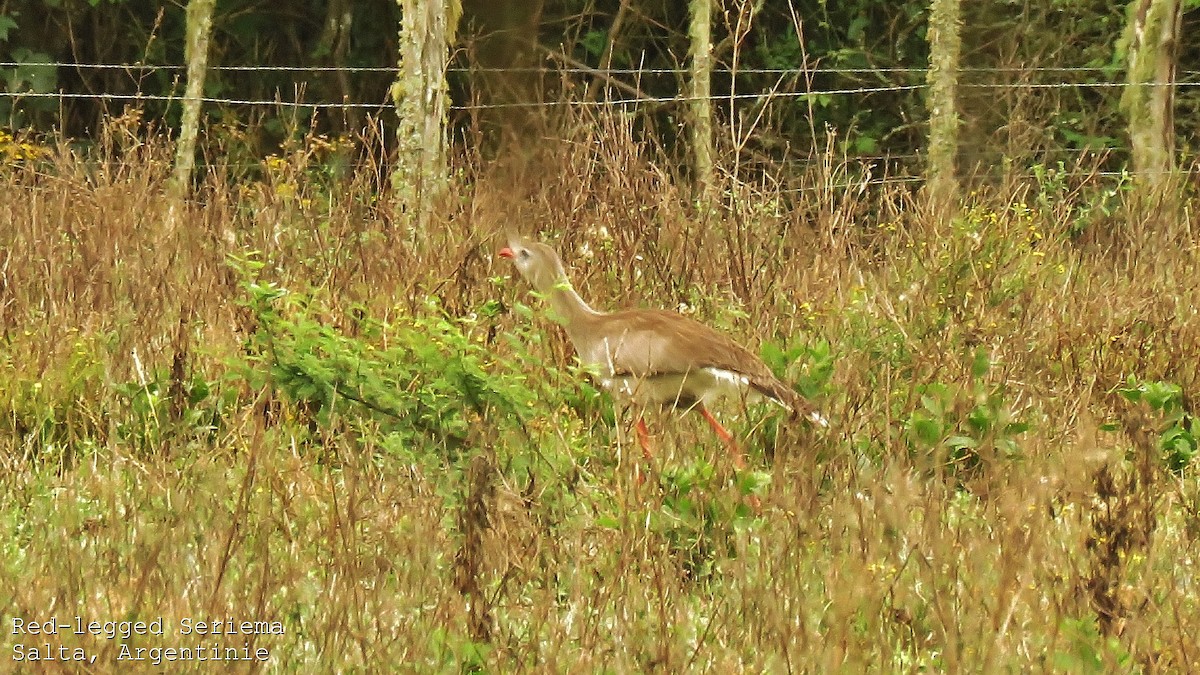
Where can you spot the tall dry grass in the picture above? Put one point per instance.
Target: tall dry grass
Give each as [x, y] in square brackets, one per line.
[143, 475]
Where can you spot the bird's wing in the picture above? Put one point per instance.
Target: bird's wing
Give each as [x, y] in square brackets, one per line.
[653, 342]
[657, 342]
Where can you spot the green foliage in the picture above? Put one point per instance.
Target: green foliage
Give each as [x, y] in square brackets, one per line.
[865, 39]
[782, 53]
[73, 407]
[55, 410]
[880, 47]
[962, 426]
[809, 367]
[1179, 435]
[31, 72]
[1089, 651]
[814, 360]
[1078, 206]
[162, 410]
[593, 42]
[418, 379]
[246, 34]
[698, 519]
[7, 23]
[1077, 135]
[456, 653]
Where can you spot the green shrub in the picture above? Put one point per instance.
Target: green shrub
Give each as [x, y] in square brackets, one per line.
[1179, 434]
[420, 378]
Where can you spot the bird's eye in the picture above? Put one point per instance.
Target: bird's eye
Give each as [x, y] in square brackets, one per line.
[524, 254]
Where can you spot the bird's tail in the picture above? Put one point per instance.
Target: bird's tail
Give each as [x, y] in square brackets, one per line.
[788, 398]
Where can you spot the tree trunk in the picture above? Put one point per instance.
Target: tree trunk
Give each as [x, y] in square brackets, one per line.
[420, 95]
[944, 47]
[334, 45]
[1151, 42]
[701, 97]
[199, 26]
[505, 51]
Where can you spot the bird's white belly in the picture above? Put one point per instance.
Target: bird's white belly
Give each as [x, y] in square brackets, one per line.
[702, 385]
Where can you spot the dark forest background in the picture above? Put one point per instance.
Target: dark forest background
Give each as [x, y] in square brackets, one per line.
[1034, 86]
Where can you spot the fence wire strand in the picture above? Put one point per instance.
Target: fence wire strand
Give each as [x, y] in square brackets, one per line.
[279, 102]
[550, 70]
[629, 101]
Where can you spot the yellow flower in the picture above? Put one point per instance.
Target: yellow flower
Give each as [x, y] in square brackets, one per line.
[275, 163]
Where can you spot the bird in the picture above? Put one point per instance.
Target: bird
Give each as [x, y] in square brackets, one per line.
[653, 357]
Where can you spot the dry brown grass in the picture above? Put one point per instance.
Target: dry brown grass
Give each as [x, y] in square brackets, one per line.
[538, 551]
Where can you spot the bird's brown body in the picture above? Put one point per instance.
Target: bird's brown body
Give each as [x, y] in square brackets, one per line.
[650, 356]
[675, 360]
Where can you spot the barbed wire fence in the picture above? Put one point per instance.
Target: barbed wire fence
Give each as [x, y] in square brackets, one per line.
[1066, 77]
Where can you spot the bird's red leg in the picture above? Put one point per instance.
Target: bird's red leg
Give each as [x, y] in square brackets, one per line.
[739, 460]
[643, 436]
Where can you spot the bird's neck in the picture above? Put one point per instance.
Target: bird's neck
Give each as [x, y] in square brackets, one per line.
[568, 308]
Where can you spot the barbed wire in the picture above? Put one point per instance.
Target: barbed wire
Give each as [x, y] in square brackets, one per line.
[798, 70]
[657, 100]
[477, 106]
[204, 99]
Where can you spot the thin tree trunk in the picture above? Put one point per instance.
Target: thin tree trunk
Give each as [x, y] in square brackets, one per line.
[1151, 41]
[944, 47]
[420, 94]
[701, 97]
[610, 47]
[334, 44]
[199, 27]
[506, 54]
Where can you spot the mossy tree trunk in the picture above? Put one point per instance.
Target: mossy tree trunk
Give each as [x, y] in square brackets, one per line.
[944, 48]
[701, 97]
[199, 27]
[421, 98]
[1151, 42]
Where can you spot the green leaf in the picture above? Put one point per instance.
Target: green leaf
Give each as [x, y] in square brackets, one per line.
[774, 357]
[1013, 428]
[6, 24]
[982, 418]
[1161, 395]
[1008, 447]
[491, 309]
[34, 72]
[960, 442]
[753, 482]
[866, 145]
[857, 28]
[199, 391]
[926, 430]
[933, 405]
[981, 364]
[594, 42]
[1132, 391]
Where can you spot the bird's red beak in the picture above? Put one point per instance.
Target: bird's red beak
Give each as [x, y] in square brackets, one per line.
[507, 252]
